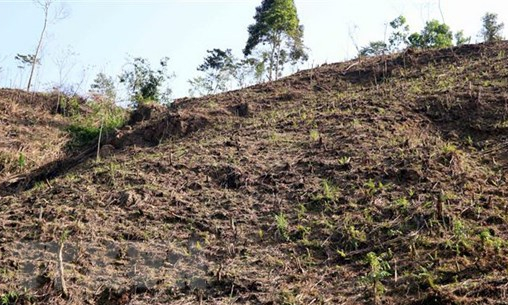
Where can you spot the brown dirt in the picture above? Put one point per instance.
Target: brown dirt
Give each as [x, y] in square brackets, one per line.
[29, 129]
[277, 193]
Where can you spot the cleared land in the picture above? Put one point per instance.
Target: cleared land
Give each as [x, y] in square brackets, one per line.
[373, 181]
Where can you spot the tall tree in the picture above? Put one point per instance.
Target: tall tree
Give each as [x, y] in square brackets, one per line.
[491, 30]
[277, 25]
[45, 5]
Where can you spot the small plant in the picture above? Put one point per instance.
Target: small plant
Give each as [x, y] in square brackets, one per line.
[328, 194]
[373, 187]
[8, 298]
[344, 161]
[489, 241]
[301, 211]
[261, 234]
[341, 253]
[469, 140]
[355, 236]
[379, 269]
[314, 135]
[428, 277]
[459, 242]
[402, 203]
[330, 191]
[449, 148]
[282, 225]
[21, 160]
[303, 231]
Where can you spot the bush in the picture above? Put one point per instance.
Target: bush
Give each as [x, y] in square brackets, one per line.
[85, 129]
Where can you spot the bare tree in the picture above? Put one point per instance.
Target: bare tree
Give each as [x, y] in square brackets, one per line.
[65, 60]
[60, 14]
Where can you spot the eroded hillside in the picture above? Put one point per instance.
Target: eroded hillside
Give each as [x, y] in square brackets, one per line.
[373, 181]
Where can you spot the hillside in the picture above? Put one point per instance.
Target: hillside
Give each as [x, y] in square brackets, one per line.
[374, 181]
[20, 115]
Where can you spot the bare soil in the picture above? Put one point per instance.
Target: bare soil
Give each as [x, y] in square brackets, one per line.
[374, 181]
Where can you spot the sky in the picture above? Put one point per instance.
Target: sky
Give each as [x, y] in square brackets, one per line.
[99, 36]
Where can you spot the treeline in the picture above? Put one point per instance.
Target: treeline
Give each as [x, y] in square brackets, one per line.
[275, 41]
[434, 35]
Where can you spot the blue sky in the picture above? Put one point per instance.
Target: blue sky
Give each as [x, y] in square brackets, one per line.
[104, 33]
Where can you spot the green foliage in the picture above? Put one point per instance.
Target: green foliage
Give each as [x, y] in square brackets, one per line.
[314, 134]
[400, 32]
[373, 188]
[379, 269]
[460, 240]
[26, 60]
[8, 298]
[345, 160]
[277, 25]
[375, 48]
[86, 129]
[282, 225]
[103, 86]
[355, 236]
[146, 84]
[21, 160]
[489, 241]
[460, 39]
[219, 69]
[329, 191]
[434, 35]
[491, 28]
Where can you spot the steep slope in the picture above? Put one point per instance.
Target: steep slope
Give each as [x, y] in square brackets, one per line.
[373, 181]
[31, 134]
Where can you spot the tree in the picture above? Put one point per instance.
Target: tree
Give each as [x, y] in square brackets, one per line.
[223, 71]
[434, 35]
[104, 86]
[146, 84]
[375, 48]
[45, 5]
[248, 71]
[400, 32]
[219, 68]
[277, 26]
[491, 30]
[24, 61]
[65, 61]
[461, 39]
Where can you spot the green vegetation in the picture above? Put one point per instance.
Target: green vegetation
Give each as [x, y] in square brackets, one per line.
[434, 35]
[277, 25]
[219, 68]
[379, 269]
[104, 119]
[282, 226]
[491, 28]
[145, 83]
[373, 181]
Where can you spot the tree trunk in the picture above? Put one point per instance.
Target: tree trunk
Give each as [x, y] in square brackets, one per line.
[272, 59]
[277, 63]
[36, 55]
